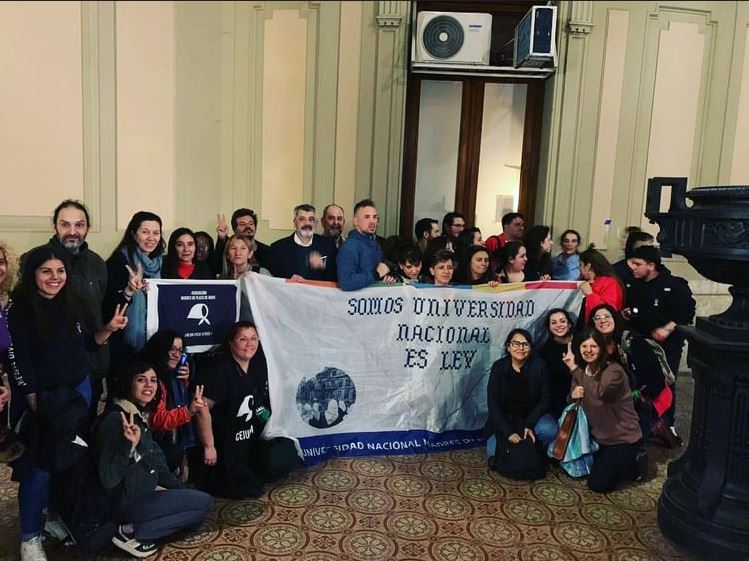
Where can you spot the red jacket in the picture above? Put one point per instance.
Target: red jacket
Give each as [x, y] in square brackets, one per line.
[166, 420]
[606, 290]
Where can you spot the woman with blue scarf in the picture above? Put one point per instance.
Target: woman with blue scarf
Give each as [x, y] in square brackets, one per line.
[136, 258]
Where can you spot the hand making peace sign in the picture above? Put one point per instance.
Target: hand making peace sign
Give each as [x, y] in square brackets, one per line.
[135, 281]
[222, 229]
[130, 429]
[119, 319]
[197, 400]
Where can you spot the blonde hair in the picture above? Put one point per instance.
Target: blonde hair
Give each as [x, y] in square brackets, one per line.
[12, 264]
[228, 268]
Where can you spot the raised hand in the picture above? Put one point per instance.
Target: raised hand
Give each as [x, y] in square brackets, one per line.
[316, 261]
[568, 358]
[135, 281]
[130, 429]
[585, 288]
[197, 400]
[222, 229]
[119, 319]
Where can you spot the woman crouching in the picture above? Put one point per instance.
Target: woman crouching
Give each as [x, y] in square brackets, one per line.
[518, 400]
[147, 501]
[603, 387]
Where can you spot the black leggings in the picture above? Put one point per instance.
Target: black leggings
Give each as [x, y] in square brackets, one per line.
[612, 464]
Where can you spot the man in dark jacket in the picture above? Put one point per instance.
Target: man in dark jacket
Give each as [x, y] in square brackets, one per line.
[88, 274]
[304, 254]
[360, 260]
[657, 303]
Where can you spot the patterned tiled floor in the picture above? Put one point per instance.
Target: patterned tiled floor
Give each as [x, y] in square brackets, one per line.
[446, 507]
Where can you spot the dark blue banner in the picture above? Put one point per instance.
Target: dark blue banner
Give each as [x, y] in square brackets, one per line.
[203, 312]
[316, 449]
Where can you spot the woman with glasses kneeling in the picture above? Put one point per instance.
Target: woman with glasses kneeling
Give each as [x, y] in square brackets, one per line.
[148, 503]
[603, 387]
[518, 397]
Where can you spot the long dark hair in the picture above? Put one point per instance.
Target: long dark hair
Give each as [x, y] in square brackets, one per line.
[171, 261]
[27, 294]
[509, 251]
[533, 242]
[124, 383]
[598, 262]
[128, 238]
[156, 351]
[464, 272]
[597, 336]
[616, 335]
[559, 311]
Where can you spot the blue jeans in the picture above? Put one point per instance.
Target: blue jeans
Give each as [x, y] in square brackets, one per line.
[546, 431]
[33, 491]
[167, 512]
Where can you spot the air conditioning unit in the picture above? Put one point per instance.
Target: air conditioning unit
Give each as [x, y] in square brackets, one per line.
[535, 38]
[452, 38]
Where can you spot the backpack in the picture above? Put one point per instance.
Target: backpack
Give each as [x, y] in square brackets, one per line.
[523, 461]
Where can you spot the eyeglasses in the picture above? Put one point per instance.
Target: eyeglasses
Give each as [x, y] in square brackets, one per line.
[175, 350]
[519, 344]
[601, 318]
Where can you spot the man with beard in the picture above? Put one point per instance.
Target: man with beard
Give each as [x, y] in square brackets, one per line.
[332, 224]
[360, 261]
[513, 227]
[243, 221]
[88, 273]
[304, 255]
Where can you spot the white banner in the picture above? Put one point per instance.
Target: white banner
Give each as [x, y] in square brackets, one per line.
[389, 370]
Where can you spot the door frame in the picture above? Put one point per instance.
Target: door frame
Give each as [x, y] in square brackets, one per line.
[469, 145]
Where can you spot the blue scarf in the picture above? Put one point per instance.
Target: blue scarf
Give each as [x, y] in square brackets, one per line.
[135, 332]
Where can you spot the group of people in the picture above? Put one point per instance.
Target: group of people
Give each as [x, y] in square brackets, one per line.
[72, 332]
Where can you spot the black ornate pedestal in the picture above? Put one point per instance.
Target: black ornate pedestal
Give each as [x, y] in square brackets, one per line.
[704, 506]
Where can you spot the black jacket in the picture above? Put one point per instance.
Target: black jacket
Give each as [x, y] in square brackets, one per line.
[655, 303]
[56, 436]
[287, 258]
[497, 394]
[124, 478]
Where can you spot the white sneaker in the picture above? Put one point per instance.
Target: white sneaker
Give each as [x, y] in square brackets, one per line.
[32, 550]
[127, 542]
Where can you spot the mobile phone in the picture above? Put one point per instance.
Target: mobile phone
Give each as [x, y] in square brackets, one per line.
[182, 360]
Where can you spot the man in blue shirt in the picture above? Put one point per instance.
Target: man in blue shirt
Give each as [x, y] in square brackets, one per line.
[360, 259]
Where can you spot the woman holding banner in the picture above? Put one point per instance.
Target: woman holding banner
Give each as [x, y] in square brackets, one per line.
[512, 259]
[603, 387]
[518, 400]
